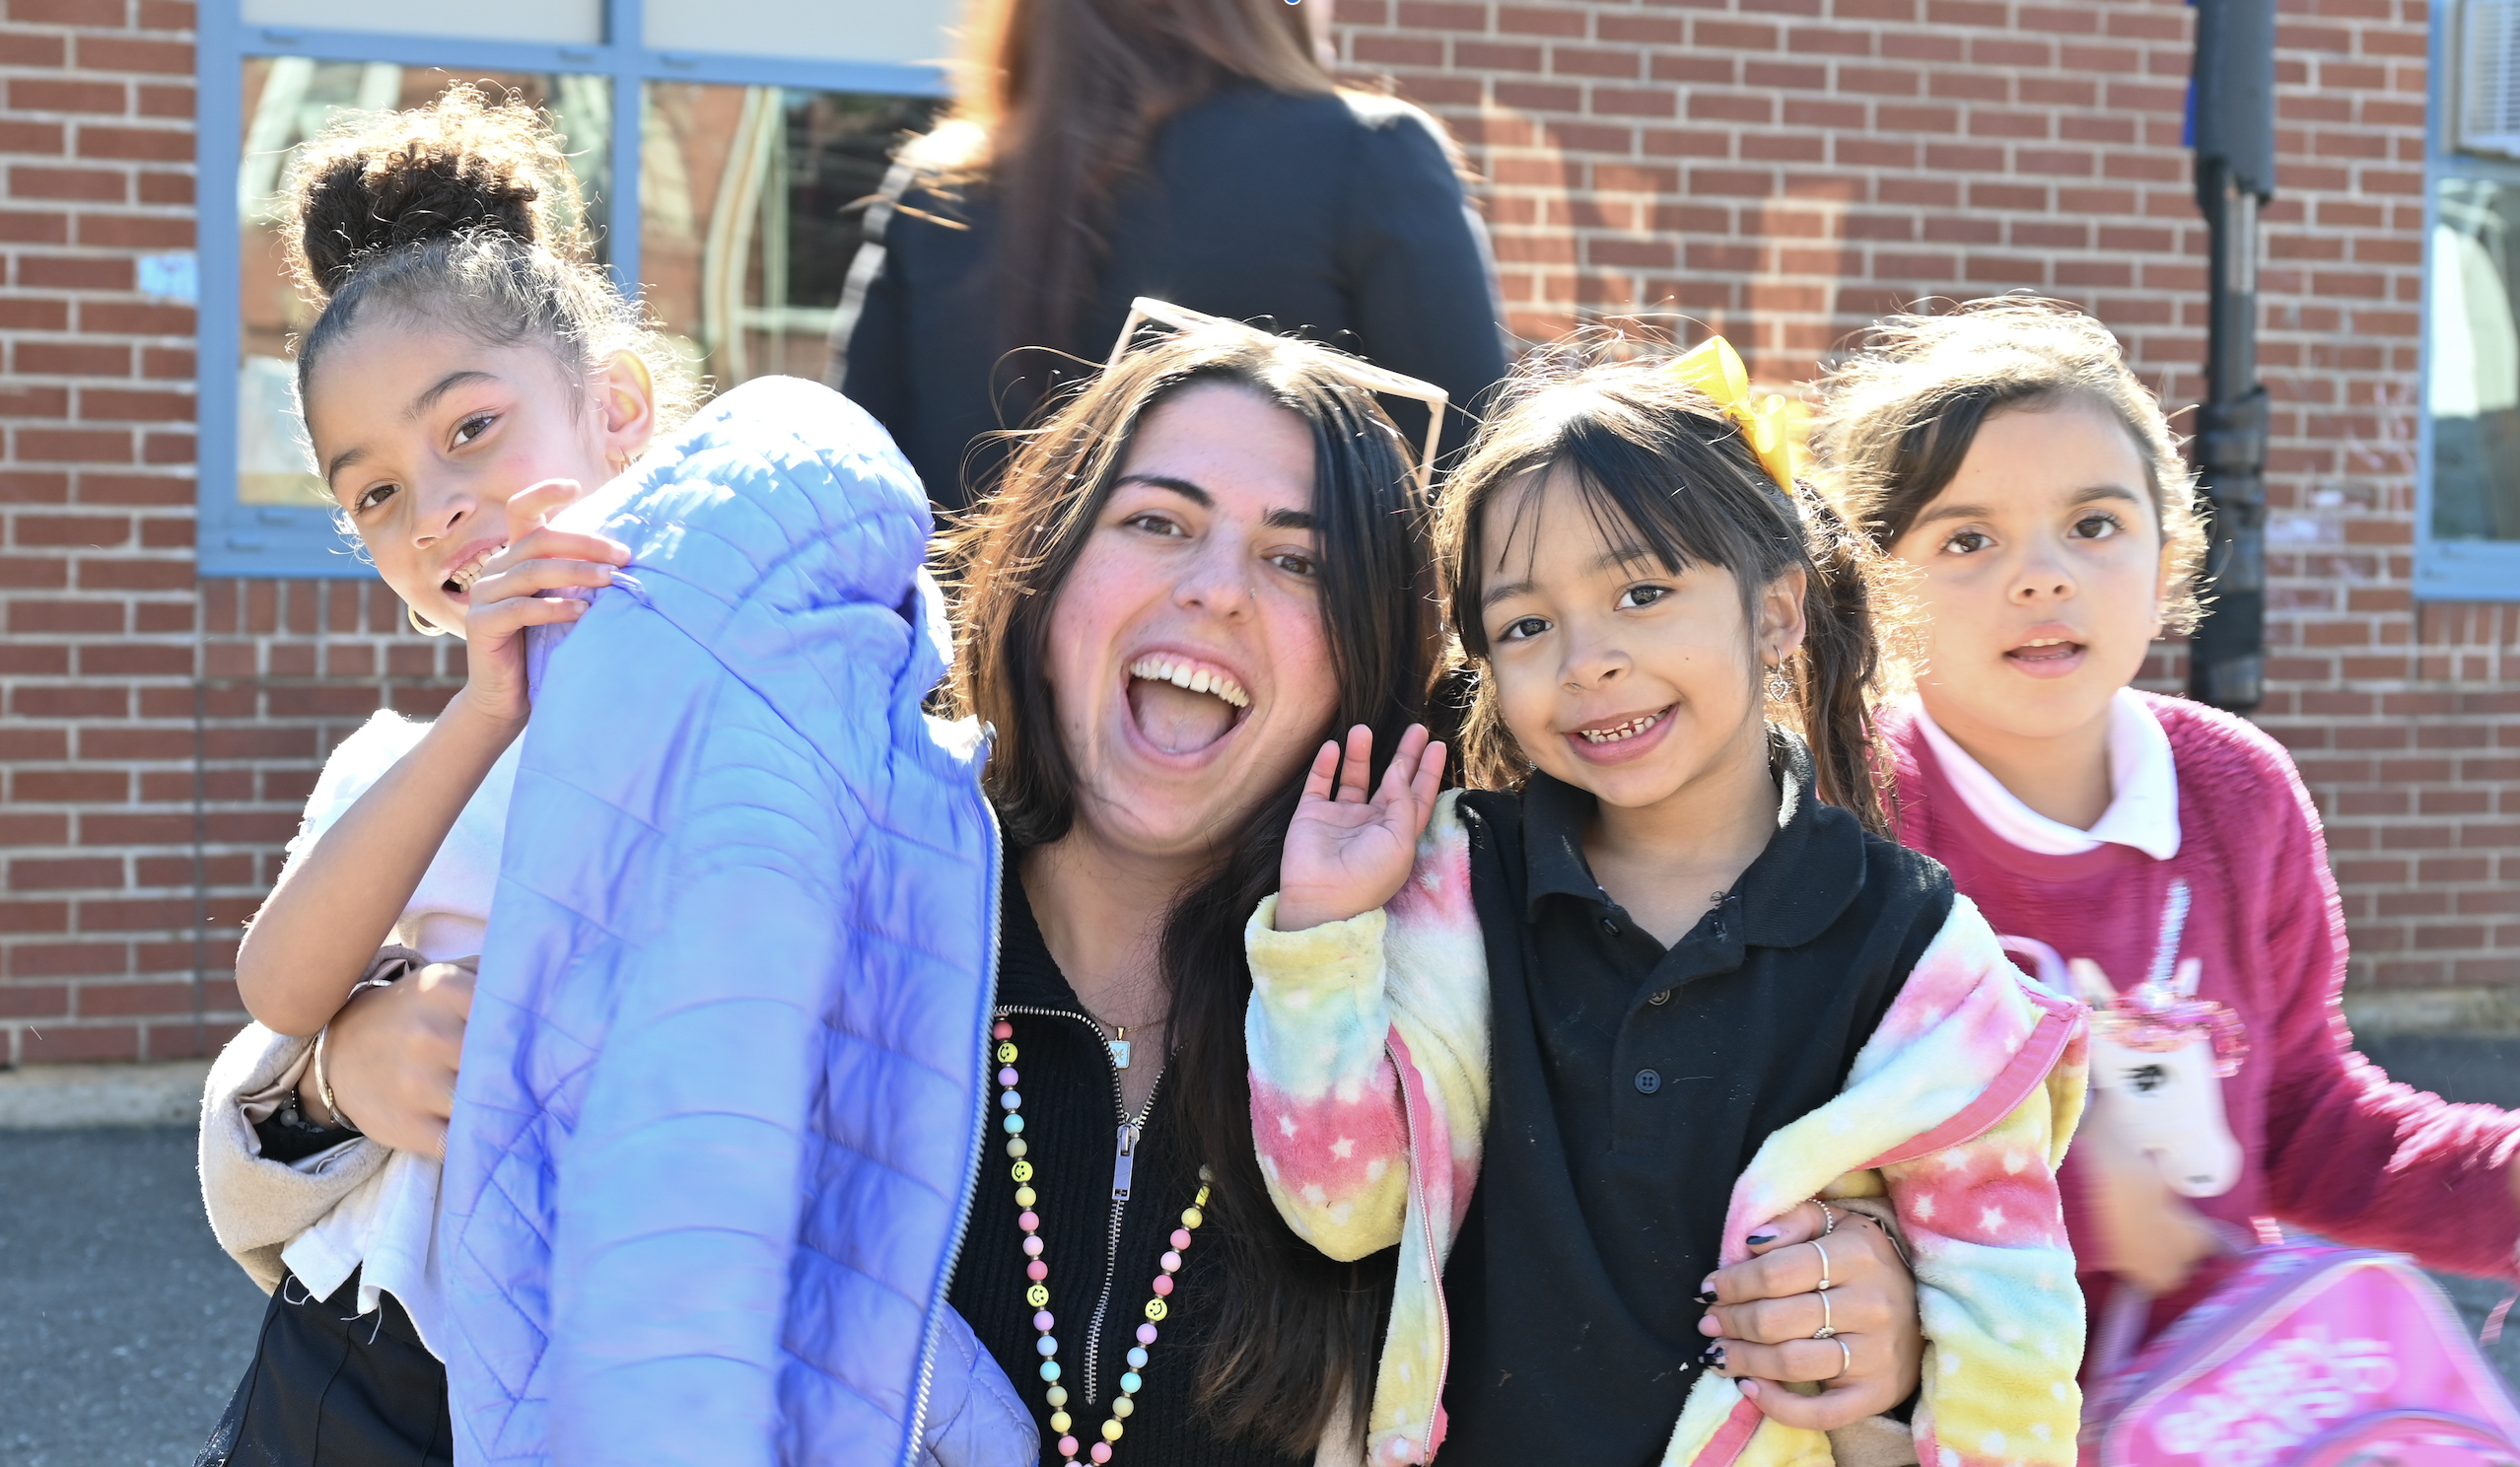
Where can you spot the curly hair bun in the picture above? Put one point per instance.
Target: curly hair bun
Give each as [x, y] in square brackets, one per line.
[375, 183]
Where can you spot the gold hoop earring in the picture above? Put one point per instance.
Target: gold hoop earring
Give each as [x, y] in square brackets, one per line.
[412, 614]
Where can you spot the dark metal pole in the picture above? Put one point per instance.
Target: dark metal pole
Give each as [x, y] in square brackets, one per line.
[2234, 101]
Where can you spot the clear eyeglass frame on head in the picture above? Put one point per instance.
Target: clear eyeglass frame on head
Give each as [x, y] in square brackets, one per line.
[1362, 373]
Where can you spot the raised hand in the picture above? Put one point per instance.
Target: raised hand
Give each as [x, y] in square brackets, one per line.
[1346, 853]
[510, 594]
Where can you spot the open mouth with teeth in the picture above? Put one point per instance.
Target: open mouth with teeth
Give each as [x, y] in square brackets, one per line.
[1181, 706]
[460, 582]
[2046, 655]
[1622, 732]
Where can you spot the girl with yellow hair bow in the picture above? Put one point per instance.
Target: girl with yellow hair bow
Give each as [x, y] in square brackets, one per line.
[1655, 1010]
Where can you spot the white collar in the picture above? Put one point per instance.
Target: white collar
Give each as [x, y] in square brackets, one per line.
[2143, 780]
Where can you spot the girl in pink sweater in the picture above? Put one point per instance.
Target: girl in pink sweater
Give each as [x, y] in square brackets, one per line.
[2006, 451]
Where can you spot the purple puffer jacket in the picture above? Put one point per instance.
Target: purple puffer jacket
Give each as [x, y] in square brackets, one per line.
[724, 1083]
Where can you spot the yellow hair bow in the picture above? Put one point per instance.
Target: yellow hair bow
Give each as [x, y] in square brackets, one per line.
[1777, 428]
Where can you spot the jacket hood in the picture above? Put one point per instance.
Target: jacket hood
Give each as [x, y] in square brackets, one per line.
[780, 511]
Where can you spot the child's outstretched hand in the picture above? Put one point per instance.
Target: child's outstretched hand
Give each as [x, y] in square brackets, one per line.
[510, 594]
[1345, 854]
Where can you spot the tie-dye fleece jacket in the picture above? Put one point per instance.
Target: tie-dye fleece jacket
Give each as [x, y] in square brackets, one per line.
[1369, 1043]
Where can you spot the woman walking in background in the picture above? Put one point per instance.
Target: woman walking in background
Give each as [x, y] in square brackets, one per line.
[1102, 150]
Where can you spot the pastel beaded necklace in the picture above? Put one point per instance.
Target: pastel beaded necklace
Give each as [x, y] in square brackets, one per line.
[1038, 1270]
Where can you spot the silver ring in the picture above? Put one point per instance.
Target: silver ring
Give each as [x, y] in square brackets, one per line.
[1825, 1285]
[1828, 1329]
[1849, 1352]
[1828, 1218]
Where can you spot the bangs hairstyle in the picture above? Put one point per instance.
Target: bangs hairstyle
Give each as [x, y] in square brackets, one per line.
[1291, 1325]
[1670, 479]
[1902, 413]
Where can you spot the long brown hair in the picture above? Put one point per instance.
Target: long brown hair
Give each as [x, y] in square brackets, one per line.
[1655, 456]
[1292, 1326]
[1056, 102]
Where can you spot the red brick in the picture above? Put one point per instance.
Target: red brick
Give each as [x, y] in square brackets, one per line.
[74, 272]
[164, 101]
[47, 95]
[111, 404]
[70, 530]
[70, 358]
[135, 231]
[136, 144]
[32, 138]
[34, 402]
[158, 188]
[63, 876]
[95, 185]
[123, 53]
[29, 227]
[62, 1044]
[34, 1001]
[133, 999]
[32, 50]
[23, 315]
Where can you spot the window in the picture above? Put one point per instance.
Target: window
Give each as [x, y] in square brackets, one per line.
[2468, 496]
[759, 123]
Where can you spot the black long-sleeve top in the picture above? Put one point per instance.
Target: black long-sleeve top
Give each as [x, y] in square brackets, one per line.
[1072, 1123]
[1339, 217]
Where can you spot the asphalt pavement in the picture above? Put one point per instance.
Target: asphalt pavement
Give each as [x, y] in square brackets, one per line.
[123, 1328]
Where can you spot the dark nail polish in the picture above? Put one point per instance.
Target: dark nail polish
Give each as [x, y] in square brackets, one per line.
[1703, 1295]
[1711, 1358]
[1757, 1239]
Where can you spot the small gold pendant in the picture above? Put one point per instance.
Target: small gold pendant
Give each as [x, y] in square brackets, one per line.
[1119, 1050]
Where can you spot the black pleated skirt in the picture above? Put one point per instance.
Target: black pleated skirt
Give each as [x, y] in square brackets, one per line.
[328, 1389]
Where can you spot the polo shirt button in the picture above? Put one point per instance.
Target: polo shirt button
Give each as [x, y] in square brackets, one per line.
[1648, 1081]
[1610, 925]
[1660, 998]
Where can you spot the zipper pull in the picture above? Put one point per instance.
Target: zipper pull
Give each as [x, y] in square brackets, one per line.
[1123, 1165]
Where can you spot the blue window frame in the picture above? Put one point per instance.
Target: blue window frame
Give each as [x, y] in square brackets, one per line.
[698, 75]
[2468, 453]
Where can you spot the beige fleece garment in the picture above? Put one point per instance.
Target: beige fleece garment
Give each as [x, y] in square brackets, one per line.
[257, 1206]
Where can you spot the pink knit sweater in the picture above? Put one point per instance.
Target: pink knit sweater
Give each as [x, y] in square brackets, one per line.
[2332, 1143]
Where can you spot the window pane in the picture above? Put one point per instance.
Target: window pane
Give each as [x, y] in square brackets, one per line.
[564, 21]
[287, 101]
[747, 225]
[897, 31]
[2473, 385]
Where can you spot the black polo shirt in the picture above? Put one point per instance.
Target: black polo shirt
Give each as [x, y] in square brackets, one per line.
[1632, 1086]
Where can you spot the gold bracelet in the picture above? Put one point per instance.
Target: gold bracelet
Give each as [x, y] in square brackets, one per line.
[323, 1087]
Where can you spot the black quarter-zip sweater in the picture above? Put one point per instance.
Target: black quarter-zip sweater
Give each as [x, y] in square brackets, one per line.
[1632, 1085]
[1072, 1124]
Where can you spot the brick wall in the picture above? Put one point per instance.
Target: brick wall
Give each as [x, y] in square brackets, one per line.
[1783, 170]
[1780, 172]
[159, 732]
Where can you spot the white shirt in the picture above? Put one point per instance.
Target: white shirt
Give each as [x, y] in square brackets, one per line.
[387, 1227]
[2143, 783]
